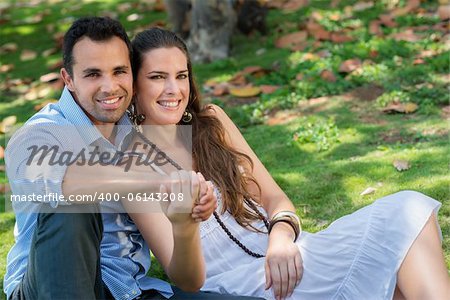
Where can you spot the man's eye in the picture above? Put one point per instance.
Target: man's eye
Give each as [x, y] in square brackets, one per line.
[92, 75]
[120, 72]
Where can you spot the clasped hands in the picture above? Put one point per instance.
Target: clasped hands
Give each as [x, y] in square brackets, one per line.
[198, 199]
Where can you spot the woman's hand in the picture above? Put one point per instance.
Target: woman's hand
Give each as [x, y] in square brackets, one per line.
[207, 202]
[284, 265]
[188, 185]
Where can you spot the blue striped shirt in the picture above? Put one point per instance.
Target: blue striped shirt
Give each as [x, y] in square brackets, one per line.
[125, 257]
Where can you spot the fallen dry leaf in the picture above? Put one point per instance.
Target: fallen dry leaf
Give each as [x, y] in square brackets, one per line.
[368, 191]
[260, 51]
[133, 17]
[7, 122]
[255, 71]
[317, 31]
[316, 16]
[310, 56]
[388, 21]
[246, 91]
[328, 75]
[49, 52]
[8, 47]
[337, 37]
[375, 28]
[410, 107]
[418, 61]
[49, 77]
[299, 46]
[123, 7]
[299, 76]
[294, 5]
[335, 17]
[350, 65]
[6, 68]
[44, 91]
[444, 12]
[410, 6]
[360, 6]
[403, 108]
[324, 53]
[268, 89]
[445, 113]
[27, 55]
[401, 165]
[2, 152]
[210, 83]
[31, 95]
[427, 53]
[291, 39]
[32, 19]
[238, 79]
[408, 36]
[276, 3]
[220, 89]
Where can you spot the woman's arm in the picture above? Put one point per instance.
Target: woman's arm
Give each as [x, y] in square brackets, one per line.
[174, 239]
[283, 261]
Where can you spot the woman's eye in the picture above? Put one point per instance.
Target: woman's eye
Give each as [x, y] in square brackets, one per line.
[182, 76]
[156, 77]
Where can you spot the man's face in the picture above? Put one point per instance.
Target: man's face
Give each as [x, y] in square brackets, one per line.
[102, 81]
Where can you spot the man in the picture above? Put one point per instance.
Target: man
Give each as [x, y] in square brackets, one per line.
[66, 250]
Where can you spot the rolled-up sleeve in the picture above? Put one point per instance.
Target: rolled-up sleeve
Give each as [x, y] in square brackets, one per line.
[36, 158]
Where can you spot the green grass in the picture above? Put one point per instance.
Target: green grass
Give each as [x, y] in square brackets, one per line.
[323, 185]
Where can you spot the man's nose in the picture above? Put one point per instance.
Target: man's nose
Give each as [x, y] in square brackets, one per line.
[109, 84]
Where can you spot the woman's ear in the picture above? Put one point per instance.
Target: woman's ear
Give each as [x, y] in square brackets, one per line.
[67, 79]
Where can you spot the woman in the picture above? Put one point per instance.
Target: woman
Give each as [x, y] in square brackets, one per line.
[390, 248]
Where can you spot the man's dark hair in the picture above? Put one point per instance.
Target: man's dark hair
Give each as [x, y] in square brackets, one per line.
[95, 28]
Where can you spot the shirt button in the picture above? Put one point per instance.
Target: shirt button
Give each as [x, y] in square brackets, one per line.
[133, 292]
[127, 296]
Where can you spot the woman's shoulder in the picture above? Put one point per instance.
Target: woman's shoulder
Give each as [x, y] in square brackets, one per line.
[214, 110]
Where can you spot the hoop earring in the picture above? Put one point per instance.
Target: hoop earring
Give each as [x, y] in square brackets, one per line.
[140, 118]
[187, 117]
[135, 118]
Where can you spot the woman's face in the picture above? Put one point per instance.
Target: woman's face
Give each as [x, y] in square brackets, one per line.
[162, 86]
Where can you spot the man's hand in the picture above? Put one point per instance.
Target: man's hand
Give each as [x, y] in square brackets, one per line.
[207, 203]
[182, 183]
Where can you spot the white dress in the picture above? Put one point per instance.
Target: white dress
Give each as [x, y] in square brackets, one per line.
[356, 257]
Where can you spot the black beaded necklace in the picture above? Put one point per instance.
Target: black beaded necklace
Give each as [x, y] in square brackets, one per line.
[216, 215]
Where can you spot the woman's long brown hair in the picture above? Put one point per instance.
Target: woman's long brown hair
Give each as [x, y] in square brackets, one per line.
[212, 154]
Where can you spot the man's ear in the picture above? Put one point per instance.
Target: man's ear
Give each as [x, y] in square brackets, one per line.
[67, 79]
